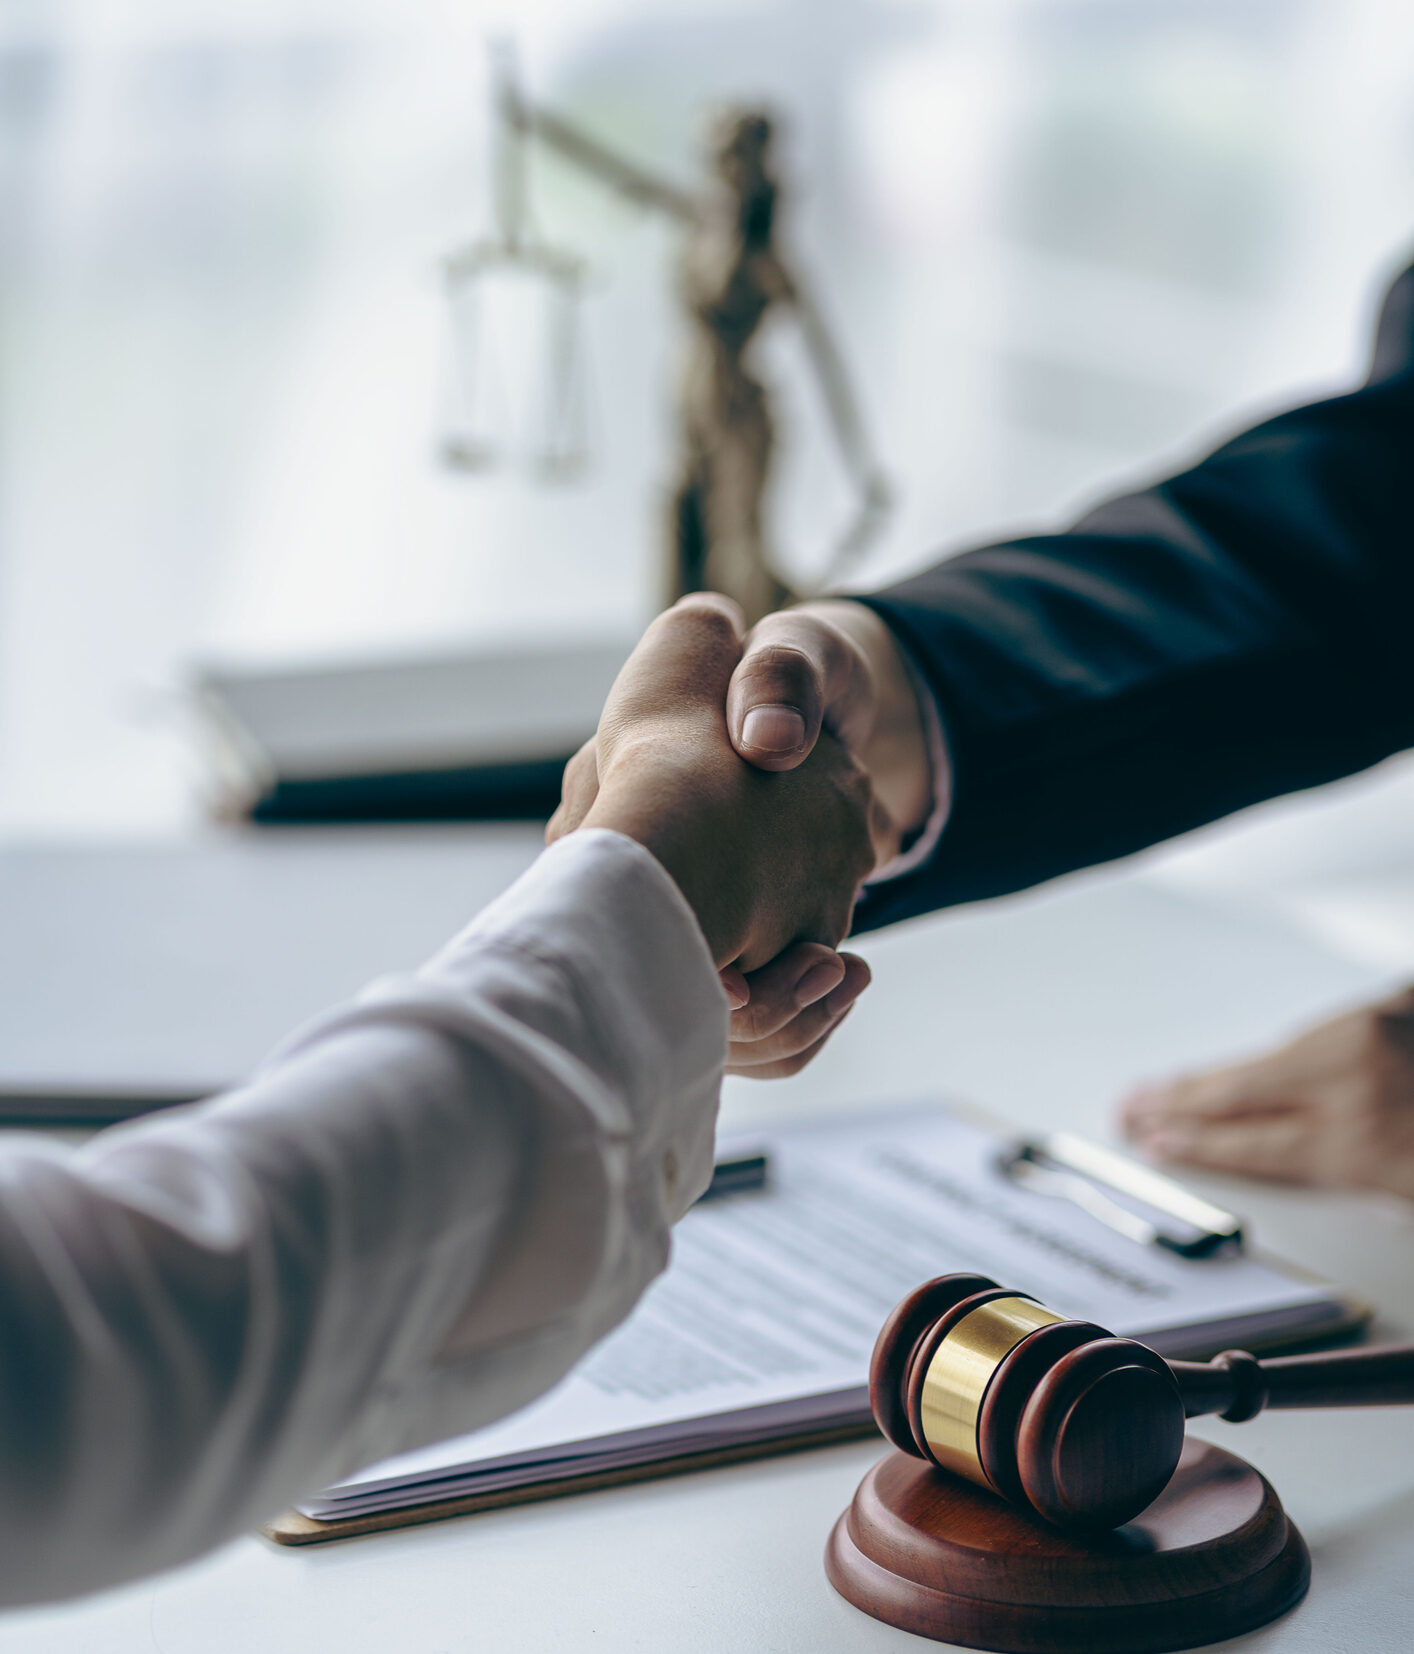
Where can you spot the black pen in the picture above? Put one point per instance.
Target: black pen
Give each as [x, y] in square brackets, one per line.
[737, 1175]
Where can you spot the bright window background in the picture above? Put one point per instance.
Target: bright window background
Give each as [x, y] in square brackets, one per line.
[1063, 242]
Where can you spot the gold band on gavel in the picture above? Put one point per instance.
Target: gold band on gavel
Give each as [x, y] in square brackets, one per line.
[959, 1373]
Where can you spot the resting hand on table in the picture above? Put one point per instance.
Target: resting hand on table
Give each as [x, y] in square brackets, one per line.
[765, 861]
[1335, 1106]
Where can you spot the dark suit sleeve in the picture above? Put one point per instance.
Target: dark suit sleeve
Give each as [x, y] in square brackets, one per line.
[1238, 631]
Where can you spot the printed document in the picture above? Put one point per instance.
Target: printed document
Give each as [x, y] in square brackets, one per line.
[769, 1310]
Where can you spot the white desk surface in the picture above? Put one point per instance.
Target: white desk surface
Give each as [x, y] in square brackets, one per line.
[1044, 1008]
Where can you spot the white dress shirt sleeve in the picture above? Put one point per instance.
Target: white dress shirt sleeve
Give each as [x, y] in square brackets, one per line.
[416, 1218]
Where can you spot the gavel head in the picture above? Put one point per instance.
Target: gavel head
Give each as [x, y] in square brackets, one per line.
[1054, 1415]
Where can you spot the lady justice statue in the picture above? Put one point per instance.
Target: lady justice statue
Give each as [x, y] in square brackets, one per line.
[732, 276]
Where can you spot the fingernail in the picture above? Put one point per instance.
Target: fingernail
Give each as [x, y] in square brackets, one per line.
[818, 981]
[773, 729]
[735, 997]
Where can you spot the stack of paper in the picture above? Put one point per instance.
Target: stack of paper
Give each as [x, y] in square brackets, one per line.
[763, 1326]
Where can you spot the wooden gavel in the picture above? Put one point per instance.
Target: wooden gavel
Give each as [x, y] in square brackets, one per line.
[1065, 1419]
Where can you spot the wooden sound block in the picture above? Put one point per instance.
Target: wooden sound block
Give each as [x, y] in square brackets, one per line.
[1213, 1556]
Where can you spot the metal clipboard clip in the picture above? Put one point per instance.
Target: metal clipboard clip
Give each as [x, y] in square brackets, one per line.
[1140, 1204]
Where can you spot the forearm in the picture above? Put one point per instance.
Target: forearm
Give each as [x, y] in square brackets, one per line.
[1236, 632]
[208, 1305]
[415, 1220]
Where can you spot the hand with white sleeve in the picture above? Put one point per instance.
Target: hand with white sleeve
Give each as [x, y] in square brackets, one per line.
[429, 1203]
[767, 861]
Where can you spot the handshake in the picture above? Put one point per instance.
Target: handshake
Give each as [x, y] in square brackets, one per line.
[770, 775]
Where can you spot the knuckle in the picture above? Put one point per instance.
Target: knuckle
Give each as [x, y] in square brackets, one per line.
[1216, 1092]
[749, 1023]
[779, 671]
[711, 614]
[702, 635]
[779, 656]
[578, 769]
[761, 1018]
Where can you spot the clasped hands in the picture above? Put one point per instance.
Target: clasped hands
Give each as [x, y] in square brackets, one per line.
[770, 776]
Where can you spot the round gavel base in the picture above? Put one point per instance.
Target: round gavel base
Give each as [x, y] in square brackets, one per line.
[1213, 1556]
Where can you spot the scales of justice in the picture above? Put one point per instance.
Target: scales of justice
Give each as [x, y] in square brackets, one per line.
[733, 275]
[1042, 1497]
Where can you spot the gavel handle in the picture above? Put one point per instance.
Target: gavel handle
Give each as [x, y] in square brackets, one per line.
[1237, 1386]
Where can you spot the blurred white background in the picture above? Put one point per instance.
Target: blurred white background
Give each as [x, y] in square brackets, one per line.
[1064, 243]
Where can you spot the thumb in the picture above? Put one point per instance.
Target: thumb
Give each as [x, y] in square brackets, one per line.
[799, 672]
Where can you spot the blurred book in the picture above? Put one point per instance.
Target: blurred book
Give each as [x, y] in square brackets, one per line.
[453, 737]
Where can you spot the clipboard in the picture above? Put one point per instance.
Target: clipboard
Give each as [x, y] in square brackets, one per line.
[1342, 1316]
[293, 1527]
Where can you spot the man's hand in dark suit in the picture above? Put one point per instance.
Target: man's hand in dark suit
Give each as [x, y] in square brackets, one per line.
[830, 666]
[834, 665]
